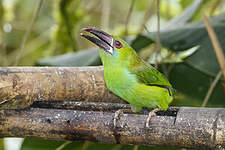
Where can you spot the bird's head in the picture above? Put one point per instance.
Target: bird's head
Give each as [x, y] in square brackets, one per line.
[111, 45]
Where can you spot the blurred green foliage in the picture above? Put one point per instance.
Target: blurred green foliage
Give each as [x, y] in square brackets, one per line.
[68, 14]
[55, 41]
[36, 144]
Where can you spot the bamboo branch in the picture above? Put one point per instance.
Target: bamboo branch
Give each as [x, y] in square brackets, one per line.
[128, 17]
[27, 33]
[216, 45]
[148, 14]
[198, 128]
[21, 86]
[105, 16]
[211, 88]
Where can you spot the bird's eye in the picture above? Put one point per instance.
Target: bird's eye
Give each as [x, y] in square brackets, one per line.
[117, 44]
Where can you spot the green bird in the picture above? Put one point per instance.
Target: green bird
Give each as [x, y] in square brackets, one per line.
[129, 76]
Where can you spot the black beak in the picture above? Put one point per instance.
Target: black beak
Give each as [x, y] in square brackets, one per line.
[104, 40]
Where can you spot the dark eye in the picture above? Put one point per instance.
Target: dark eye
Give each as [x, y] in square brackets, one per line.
[117, 44]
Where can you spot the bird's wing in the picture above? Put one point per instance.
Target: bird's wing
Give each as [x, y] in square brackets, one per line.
[148, 75]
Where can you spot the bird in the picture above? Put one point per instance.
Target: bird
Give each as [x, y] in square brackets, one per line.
[128, 76]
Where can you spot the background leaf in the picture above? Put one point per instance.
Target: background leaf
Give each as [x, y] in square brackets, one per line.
[81, 58]
[2, 144]
[37, 144]
[189, 35]
[192, 85]
[185, 16]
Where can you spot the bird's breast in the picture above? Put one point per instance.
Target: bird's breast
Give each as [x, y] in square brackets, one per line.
[120, 81]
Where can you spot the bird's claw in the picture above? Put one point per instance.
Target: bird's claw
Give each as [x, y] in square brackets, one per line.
[116, 117]
[150, 115]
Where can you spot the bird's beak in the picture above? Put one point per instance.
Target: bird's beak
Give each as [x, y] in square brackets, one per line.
[104, 40]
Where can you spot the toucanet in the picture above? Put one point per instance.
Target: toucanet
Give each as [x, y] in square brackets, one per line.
[129, 76]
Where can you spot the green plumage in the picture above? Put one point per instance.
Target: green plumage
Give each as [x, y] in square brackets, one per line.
[134, 80]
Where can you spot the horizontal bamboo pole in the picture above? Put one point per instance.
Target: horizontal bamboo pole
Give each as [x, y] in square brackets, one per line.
[21, 86]
[198, 128]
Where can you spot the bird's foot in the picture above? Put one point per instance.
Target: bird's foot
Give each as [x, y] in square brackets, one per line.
[150, 115]
[116, 116]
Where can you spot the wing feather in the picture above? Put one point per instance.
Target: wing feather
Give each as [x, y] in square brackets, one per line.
[148, 75]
